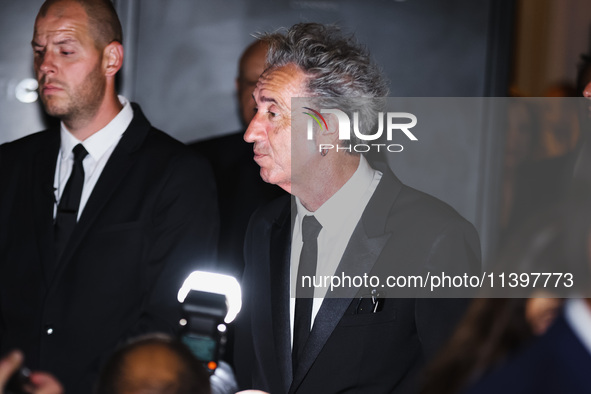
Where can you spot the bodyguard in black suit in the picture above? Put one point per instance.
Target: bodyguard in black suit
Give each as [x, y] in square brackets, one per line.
[150, 219]
[360, 341]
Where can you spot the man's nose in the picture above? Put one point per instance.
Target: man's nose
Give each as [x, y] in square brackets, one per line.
[587, 91]
[254, 130]
[47, 63]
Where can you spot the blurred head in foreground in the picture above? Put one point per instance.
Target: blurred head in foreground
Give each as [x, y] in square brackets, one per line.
[155, 364]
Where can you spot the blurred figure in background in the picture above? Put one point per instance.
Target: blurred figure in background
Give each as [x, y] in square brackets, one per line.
[545, 148]
[560, 360]
[559, 129]
[492, 330]
[518, 142]
[240, 188]
[495, 329]
[543, 141]
[250, 67]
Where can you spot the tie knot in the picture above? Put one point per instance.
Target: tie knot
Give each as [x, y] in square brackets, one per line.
[310, 228]
[79, 152]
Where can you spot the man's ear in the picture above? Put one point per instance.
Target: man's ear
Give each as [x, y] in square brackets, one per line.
[332, 132]
[112, 58]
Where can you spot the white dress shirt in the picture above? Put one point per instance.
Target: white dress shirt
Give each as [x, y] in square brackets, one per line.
[100, 145]
[578, 316]
[338, 216]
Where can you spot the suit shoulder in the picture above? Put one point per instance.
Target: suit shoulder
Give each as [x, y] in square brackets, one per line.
[407, 202]
[429, 221]
[425, 206]
[29, 141]
[140, 132]
[166, 140]
[27, 147]
[164, 145]
[274, 209]
[229, 152]
[227, 141]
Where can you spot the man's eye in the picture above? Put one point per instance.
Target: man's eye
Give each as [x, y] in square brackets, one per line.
[273, 114]
[67, 53]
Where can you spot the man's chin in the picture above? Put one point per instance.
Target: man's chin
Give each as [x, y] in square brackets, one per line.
[264, 175]
[54, 109]
[276, 179]
[268, 176]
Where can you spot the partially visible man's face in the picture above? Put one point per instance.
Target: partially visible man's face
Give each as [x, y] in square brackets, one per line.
[252, 66]
[270, 129]
[67, 63]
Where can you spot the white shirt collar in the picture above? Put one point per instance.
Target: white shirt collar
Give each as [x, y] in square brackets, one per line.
[98, 143]
[578, 316]
[332, 214]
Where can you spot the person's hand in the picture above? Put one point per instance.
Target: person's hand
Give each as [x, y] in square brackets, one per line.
[43, 383]
[8, 366]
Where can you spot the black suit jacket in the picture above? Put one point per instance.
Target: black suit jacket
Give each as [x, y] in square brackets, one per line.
[349, 351]
[151, 219]
[556, 363]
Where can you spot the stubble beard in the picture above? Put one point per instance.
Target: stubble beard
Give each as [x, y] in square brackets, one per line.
[81, 103]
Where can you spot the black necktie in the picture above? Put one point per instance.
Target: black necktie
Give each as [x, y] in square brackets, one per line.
[67, 209]
[304, 295]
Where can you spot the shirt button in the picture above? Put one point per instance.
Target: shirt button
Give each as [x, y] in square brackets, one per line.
[48, 330]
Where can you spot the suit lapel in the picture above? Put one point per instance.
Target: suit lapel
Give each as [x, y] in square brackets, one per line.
[44, 200]
[365, 246]
[115, 170]
[280, 253]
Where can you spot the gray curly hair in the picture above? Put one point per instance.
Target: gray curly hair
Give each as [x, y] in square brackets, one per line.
[340, 71]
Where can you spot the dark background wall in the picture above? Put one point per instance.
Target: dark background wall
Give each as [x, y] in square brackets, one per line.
[187, 50]
[181, 58]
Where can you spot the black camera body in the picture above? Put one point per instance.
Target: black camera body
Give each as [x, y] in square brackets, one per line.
[202, 326]
[19, 381]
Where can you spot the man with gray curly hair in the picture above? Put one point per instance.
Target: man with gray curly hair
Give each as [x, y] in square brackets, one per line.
[345, 217]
